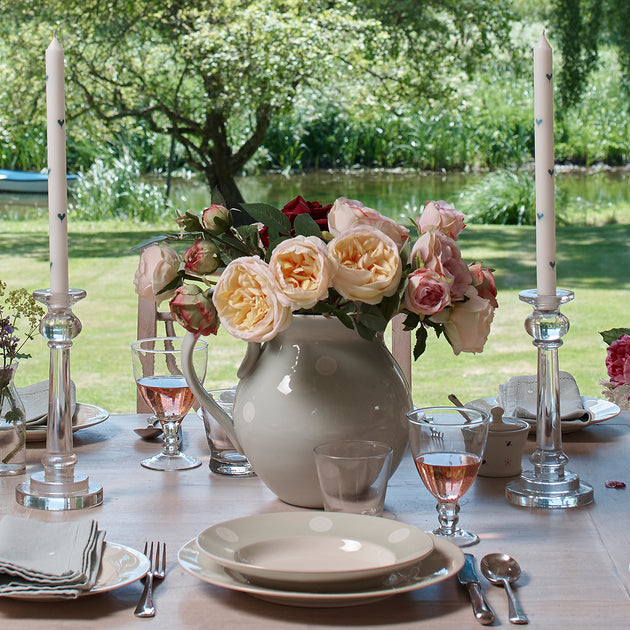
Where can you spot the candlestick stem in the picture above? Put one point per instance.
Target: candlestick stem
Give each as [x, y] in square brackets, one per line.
[59, 486]
[549, 484]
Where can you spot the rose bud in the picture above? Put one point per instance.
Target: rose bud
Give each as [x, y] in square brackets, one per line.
[202, 257]
[216, 219]
[193, 309]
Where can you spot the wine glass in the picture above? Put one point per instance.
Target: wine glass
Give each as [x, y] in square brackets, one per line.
[447, 445]
[160, 380]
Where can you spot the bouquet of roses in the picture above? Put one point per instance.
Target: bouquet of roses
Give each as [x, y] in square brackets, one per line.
[343, 260]
[617, 389]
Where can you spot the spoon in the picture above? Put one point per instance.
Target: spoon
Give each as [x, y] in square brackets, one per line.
[150, 431]
[500, 568]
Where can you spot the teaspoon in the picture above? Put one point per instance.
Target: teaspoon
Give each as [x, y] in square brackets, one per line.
[500, 568]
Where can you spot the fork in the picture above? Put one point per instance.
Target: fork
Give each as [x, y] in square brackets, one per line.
[157, 571]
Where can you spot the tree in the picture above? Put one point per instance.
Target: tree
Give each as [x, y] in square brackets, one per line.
[212, 74]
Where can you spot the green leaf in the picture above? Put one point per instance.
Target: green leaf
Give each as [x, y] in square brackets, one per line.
[190, 222]
[173, 284]
[304, 225]
[151, 241]
[421, 342]
[217, 197]
[609, 336]
[371, 317]
[251, 238]
[274, 219]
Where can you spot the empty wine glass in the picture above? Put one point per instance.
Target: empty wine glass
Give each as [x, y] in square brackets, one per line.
[160, 380]
[447, 445]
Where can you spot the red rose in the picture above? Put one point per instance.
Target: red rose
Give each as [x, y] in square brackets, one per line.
[299, 205]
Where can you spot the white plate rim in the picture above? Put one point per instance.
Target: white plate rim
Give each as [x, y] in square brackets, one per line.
[86, 416]
[113, 552]
[274, 526]
[609, 410]
[198, 564]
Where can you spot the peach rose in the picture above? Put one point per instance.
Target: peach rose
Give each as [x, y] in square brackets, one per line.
[427, 292]
[368, 265]
[434, 250]
[348, 213]
[202, 257]
[192, 307]
[249, 302]
[158, 267]
[303, 270]
[483, 281]
[467, 323]
[439, 215]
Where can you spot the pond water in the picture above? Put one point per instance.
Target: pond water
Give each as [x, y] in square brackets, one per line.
[393, 193]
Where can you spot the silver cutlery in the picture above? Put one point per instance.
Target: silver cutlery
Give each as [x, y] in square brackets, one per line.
[469, 578]
[157, 571]
[502, 569]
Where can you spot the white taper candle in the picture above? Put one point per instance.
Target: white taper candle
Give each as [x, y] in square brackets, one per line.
[57, 184]
[545, 169]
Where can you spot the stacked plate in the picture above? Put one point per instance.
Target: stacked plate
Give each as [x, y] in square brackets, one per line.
[319, 559]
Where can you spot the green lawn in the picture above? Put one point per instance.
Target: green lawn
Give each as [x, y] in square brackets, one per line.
[592, 261]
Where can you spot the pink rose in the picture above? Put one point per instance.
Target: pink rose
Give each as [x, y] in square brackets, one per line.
[438, 215]
[158, 267]
[215, 211]
[618, 360]
[202, 257]
[347, 214]
[467, 323]
[483, 281]
[434, 250]
[193, 309]
[427, 292]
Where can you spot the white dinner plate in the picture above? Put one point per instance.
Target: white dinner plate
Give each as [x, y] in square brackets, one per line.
[444, 561]
[120, 565]
[599, 408]
[84, 416]
[298, 550]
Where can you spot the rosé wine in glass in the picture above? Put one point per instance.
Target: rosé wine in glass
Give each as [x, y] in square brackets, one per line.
[160, 381]
[447, 445]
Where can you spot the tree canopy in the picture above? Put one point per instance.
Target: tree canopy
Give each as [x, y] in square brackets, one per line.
[212, 74]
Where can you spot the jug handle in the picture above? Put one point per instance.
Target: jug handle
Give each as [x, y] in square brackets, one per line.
[201, 394]
[249, 360]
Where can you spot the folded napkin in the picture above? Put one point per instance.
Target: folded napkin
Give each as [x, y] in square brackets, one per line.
[518, 398]
[35, 400]
[48, 559]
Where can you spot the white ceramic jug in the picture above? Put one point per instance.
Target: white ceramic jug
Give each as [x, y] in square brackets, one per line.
[318, 381]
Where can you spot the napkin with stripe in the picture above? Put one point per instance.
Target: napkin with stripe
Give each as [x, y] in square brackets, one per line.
[48, 559]
[518, 398]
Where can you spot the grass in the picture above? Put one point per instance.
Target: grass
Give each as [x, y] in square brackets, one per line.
[592, 261]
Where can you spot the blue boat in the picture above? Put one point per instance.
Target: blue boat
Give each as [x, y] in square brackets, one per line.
[27, 181]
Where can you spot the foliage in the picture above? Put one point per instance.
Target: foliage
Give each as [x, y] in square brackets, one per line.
[112, 188]
[213, 76]
[18, 308]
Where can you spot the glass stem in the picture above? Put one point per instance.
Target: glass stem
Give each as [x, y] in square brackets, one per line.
[170, 438]
[448, 516]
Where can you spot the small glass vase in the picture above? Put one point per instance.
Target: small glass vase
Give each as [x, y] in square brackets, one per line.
[12, 427]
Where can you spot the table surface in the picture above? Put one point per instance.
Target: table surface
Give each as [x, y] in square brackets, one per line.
[575, 562]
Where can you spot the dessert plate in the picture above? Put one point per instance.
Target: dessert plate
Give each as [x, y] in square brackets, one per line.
[297, 550]
[599, 408]
[120, 565]
[84, 416]
[443, 562]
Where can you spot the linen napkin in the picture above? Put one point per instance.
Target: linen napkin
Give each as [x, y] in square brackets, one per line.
[518, 398]
[35, 400]
[48, 559]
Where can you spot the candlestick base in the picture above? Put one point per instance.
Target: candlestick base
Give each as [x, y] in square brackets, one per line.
[548, 485]
[58, 486]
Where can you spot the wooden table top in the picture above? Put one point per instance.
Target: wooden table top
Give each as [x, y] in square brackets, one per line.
[575, 562]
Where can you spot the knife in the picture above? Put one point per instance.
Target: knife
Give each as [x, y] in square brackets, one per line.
[469, 578]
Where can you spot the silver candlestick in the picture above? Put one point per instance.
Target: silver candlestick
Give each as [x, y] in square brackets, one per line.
[548, 485]
[59, 486]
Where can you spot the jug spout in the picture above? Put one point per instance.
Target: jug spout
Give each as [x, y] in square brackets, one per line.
[204, 399]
